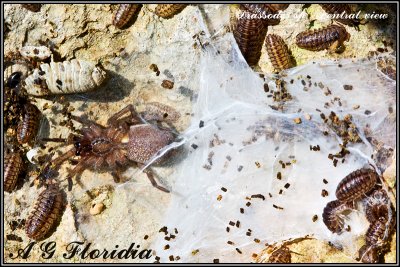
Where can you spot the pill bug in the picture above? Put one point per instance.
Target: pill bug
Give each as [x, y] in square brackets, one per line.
[377, 206]
[281, 255]
[124, 14]
[13, 167]
[249, 35]
[368, 254]
[37, 53]
[338, 9]
[167, 11]
[32, 7]
[356, 184]
[330, 37]
[266, 12]
[29, 125]
[376, 232]
[75, 76]
[332, 215]
[45, 214]
[278, 52]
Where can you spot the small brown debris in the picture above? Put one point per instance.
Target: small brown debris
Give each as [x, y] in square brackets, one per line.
[231, 223]
[248, 204]
[297, 120]
[258, 164]
[154, 68]
[257, 240]
[219, 197]
[230, 243]
[348, 87]
[315, 218]
[239, 251]
[166, 247]
[242, 210]
[356, 107]
[324, 193]
[145, 237]
[224, 189]
[194, 252]
[279, 176]
[216, 260]
[167, 84]
[258, 196]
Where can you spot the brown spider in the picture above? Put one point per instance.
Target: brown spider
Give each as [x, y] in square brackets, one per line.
[116, 146]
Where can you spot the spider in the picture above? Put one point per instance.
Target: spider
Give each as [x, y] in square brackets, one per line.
[123, 142]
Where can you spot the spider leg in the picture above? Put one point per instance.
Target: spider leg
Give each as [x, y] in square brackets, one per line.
[85, 121]
[150, 175]
[128, 109]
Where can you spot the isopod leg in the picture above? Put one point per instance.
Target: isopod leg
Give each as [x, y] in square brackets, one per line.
[129, 108]
[152, 180]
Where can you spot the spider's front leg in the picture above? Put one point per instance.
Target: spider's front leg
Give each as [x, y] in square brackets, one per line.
[114, 119]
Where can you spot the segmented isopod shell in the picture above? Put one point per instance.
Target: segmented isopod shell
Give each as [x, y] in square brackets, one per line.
[338, 9]
[37, 53]
[277, 7]
[29, 125]
[278, 52]
[331, 215]
[45, 214]
[145, 141]
[282, 255]
[167, 11]
[75, 76]
[155, 111]
[249, 35]
[13, 167]
[376, 232]
[377, 206]
[32, 7]
[356, 184]
[324, 38]
[124, 14]
[368, 254]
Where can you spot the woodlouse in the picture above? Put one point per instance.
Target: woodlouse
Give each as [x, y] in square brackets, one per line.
[29, 125]
[368, 254]
[32, 7]
[45, 214]
[377, 206]
[249, 35]
[331, 215]
[124, 14]
[13, 167]
[278, 52]
[376, 232]
[337, 10]
[167, 11]
[281, 255]
[330, 37]
[356, 184]
[75, 76]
